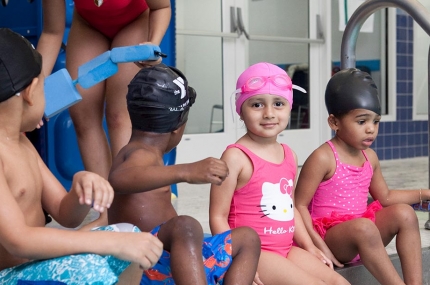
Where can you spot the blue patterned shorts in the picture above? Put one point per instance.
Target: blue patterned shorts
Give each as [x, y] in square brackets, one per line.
[216, 251]
[79, 269]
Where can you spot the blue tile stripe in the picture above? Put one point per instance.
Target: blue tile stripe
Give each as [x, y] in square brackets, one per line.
[403, 138]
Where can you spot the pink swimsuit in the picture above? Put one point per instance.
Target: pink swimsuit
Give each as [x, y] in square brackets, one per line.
[344, 196]
[112, 15]
[265, 203]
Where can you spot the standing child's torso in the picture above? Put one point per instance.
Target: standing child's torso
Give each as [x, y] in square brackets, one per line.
[265, 203]
[112, 15]
[346, 192]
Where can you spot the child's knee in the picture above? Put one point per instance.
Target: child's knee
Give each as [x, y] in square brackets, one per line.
[246, 238]
[365, 229]
[405, 214]
[187, 227]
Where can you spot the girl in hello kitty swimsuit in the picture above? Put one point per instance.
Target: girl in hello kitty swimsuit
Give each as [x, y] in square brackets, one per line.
[259, 190]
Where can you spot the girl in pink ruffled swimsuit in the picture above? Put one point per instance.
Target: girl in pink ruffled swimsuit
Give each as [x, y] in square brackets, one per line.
[335, 182]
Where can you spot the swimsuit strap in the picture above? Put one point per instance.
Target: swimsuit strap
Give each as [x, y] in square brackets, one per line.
[249, 153]
[337, 156]
[334, 152]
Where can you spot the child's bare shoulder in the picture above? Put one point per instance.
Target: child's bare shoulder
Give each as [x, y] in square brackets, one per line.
[234, 154]
[323, 154]
[135, 153]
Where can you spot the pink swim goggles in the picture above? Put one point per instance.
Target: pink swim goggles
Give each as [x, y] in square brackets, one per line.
[255, 83]
[281, 82]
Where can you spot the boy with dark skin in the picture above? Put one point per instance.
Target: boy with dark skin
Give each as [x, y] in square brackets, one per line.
[28, 249]
[158, 102]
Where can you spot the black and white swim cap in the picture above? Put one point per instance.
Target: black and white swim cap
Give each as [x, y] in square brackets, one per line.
[159, 98]
[20, 63]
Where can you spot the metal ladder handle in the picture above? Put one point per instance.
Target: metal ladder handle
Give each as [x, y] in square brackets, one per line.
[352, 29]
[415, 9]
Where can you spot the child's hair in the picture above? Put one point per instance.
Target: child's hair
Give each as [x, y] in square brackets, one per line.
[159, 98]
[351, 89]
[264, 78]
[20, 63]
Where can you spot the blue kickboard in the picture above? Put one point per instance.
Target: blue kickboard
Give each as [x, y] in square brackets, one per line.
[60, 93]
[96, 70]
[135, 53]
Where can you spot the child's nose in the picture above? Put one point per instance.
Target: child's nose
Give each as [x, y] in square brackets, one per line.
[268, 112]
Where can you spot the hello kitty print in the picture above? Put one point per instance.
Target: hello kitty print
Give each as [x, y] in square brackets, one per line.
[276, 202]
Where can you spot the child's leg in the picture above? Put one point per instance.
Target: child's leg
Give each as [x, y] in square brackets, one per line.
[246, 252]
[275, 269]
[315, 267]
[361, 236]
[402, 221]
[83, 44]
[117, 118]
[182, 236]
[131, 275]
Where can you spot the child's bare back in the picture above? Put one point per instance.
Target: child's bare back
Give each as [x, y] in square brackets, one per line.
[143, 207]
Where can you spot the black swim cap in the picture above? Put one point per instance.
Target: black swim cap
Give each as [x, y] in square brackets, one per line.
[158, 99]
[20, 62]
[351, 89]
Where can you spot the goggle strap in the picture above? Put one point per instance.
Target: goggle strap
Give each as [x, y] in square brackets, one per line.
[299, 88]
[233, 103]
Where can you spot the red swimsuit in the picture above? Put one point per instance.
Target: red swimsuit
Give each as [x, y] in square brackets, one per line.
[112, 15]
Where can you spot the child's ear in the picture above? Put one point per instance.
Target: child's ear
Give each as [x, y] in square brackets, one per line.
[27, 93]
[333, 122]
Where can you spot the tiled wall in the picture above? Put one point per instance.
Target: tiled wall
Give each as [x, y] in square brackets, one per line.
[403, 138]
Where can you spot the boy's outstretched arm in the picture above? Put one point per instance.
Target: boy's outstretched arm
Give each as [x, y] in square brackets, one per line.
[144, 171]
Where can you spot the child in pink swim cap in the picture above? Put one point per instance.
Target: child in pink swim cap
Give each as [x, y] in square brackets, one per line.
[259, 189]
[264, 78]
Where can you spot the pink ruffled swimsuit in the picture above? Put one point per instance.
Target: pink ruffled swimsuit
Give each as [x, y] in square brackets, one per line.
[265, 203]
[343, 197]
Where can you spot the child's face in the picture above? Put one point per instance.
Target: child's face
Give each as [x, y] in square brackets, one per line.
[266, 115]
[358, 128]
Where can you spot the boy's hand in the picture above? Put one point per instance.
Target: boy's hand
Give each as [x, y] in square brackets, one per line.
[209, 170]
[142, 248]
[92, 189]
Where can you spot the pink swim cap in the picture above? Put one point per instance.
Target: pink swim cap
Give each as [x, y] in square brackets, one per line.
[262, 69]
